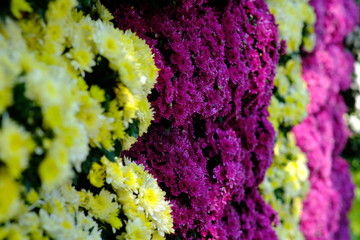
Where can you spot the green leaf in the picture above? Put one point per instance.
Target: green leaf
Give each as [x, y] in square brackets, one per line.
[118, 147]
[133, 129]
[30, 177]
[86, 166]
[220, 119]
[108, 154]
[279, 193]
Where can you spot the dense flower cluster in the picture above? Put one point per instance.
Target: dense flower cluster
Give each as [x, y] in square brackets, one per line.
[211, 143]
[322, 135]
[295, 19]
[288, 104]
[73, 95]
[206, 53]
[286, 182]
[285, 185]
[136, 191]
[76, 93]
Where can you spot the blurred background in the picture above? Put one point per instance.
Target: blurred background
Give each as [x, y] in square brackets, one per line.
[352, 149]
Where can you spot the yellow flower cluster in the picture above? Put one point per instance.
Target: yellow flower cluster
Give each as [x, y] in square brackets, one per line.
[288, 104]
[143, 202]
[71, 99]
[286, 182]
[293, 17]
[57, 216]
[73, 90]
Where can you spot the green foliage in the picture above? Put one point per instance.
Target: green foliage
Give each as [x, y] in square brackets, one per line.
[354, 215]
[133, 129]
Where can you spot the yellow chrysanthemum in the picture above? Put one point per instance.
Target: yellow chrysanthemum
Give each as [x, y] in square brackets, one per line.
[32, 196]
[55, 168]
[104, 137]
[145, 115]
[90, 114]
[97, 175]
[163, 220]
[6, 96]
[59, 9]
[136, 230]
[19, 6]
[157, 236]
[12, 232]
[128, 100]
[118, 126]
[107, 41]
[114, 220]
[114, 173]
[103, 205]
[104, 13]
[54, 31]
[82, 59]
[9, 196]
[144, 56]
[129, 204]
[16, 146]
[97, 93]
[292, 16]
[151, 197]
[6, 86]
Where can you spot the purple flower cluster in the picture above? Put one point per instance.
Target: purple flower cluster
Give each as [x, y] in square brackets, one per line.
[211, 143]
[210, 56]
[341, 179]
[334, 20]
[323, 134]
[211, 172]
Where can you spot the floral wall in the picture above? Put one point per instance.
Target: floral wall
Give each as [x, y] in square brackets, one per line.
[186, 119]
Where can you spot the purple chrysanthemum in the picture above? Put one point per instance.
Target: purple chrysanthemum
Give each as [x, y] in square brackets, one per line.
[211, 143]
